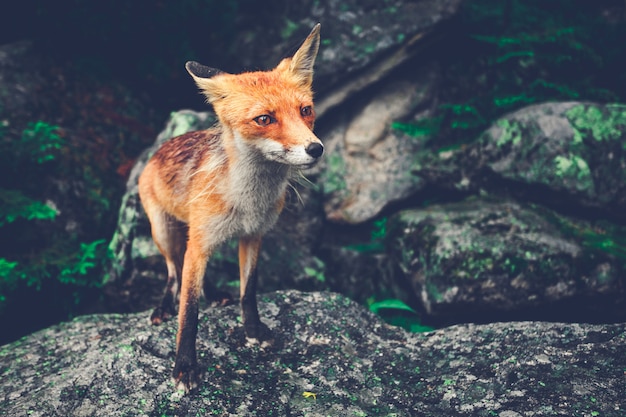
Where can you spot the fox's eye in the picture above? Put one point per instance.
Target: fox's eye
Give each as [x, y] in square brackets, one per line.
[264, 120]
[306, 111]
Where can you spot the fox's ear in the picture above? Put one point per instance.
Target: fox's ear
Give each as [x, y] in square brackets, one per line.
[203, 76]
[301, 64]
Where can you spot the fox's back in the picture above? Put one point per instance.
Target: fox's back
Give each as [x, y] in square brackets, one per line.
[181, 166]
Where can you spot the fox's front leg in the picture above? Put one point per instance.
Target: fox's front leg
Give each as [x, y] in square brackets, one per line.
[248, 255]
[185, 372]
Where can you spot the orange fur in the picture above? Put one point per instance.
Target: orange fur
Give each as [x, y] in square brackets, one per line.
[202, 188]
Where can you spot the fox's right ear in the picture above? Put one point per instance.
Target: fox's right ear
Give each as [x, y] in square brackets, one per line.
[301, 64]
[203, 76]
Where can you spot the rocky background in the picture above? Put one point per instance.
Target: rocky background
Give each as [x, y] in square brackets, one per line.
[474, 173]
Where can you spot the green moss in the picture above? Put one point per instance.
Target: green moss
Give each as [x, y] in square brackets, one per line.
[601, 125]
[511, 133]
[575, 168]
[334, 179]
[475, 268]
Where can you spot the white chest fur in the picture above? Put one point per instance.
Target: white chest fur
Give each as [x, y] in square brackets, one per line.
[252, 194]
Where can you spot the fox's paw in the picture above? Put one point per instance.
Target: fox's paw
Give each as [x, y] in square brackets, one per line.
[186, 376]
[161, 314]
[258, 333]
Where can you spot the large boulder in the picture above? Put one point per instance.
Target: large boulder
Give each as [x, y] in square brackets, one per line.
[568, 155]
[482, 259]
[368, 164]
[331, 357]
[361, 40]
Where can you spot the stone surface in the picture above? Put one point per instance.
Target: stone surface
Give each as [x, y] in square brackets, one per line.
[356, 36]
[368, 164]
[331, 357]
[569, 155]
[480, 259]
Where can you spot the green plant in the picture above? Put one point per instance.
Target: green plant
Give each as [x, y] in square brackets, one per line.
[397, 313]
[40, 141]
[377, 235]
[31, 260]
[15, 204]
[511, 53]
[316, 271]
[598, 236]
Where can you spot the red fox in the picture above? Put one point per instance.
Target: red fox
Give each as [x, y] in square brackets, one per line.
[202, 188]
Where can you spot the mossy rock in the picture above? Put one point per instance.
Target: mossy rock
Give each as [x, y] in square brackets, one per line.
[331, 357]
[576, 148]
[569, 155]
[480, 259]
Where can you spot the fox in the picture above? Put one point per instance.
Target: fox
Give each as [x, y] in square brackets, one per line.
[230, 181]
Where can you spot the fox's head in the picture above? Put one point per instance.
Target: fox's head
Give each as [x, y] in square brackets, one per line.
[269, 112]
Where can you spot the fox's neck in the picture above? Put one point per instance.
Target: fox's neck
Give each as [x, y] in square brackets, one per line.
[254, 182]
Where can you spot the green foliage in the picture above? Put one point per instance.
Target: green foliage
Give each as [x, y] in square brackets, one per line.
[40, 141]
[317, 270]
[508, 54]
[392, 303]
[30, 259]
[421, 129]
[289, 28]
[379, 231]
[74, 269]
[397, 313]
[377, 235]
[605, 239]
[14, 204]
[67, 266]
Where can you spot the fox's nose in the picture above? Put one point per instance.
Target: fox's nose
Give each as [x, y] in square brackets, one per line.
[315, 149]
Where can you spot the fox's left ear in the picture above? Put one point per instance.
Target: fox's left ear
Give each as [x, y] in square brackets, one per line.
[301, 64]
[204, 78]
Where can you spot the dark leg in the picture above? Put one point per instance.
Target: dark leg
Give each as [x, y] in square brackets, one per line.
[167, 308]
[185, 372]
[170, 237]
[248, 256]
